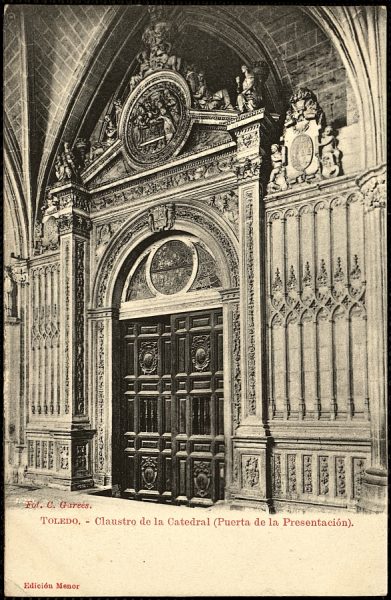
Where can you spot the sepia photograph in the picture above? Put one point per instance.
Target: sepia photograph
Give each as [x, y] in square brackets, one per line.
[195, 299]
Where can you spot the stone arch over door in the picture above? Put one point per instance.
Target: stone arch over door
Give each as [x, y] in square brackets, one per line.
[114, 266]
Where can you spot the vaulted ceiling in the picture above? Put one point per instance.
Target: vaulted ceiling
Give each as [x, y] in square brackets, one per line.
[63, 64]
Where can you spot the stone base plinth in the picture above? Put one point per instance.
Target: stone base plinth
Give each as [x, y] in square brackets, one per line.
[374, 492]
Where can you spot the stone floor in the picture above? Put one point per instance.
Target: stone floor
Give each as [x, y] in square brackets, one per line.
[16, 496]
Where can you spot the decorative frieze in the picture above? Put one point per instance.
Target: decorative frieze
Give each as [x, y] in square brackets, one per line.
[249, 169]
[71, 196]
[199, 170]
[74, 223]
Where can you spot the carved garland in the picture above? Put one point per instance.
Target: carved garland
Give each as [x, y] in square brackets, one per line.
[249, 244]
[276, 473]
[79, 329]
[66, 332]
[307, 474]
[250, 470]
[237, 383]
[100, 396]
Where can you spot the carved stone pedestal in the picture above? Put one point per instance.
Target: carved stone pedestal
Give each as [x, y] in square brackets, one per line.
[374, 491]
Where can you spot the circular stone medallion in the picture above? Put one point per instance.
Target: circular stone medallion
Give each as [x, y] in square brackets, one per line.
[155, 120]
[302, 151]
[172, 267]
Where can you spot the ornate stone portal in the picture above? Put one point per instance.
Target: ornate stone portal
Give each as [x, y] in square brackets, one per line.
[188, 230]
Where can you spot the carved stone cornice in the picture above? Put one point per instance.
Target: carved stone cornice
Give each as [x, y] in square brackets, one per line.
[132, 189]
[230, 295]
[373, 186]
[103, 313]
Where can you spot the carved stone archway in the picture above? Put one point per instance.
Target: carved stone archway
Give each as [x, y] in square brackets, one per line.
[103, 320]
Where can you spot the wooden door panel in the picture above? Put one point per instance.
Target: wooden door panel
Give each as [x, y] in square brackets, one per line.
[198, 417]
[147, 399]
[173, 414]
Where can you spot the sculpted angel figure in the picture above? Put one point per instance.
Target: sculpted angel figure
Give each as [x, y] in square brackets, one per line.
[250, 90]
[69, 161]
[59, 168]
[330, 155]
[51, 204]
[277, 180]
[118, 110]
[191, 77]
[204, 99]
[110, 131]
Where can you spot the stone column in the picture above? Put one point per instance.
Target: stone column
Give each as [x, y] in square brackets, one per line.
[250, 440]
[73, 438]
[232, 380]
[104, 376]
[14, 371]
[373, 188]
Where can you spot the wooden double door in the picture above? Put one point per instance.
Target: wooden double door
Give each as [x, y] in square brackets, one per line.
[172, 411]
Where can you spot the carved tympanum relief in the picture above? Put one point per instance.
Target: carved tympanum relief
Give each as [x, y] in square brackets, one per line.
[172, 266]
